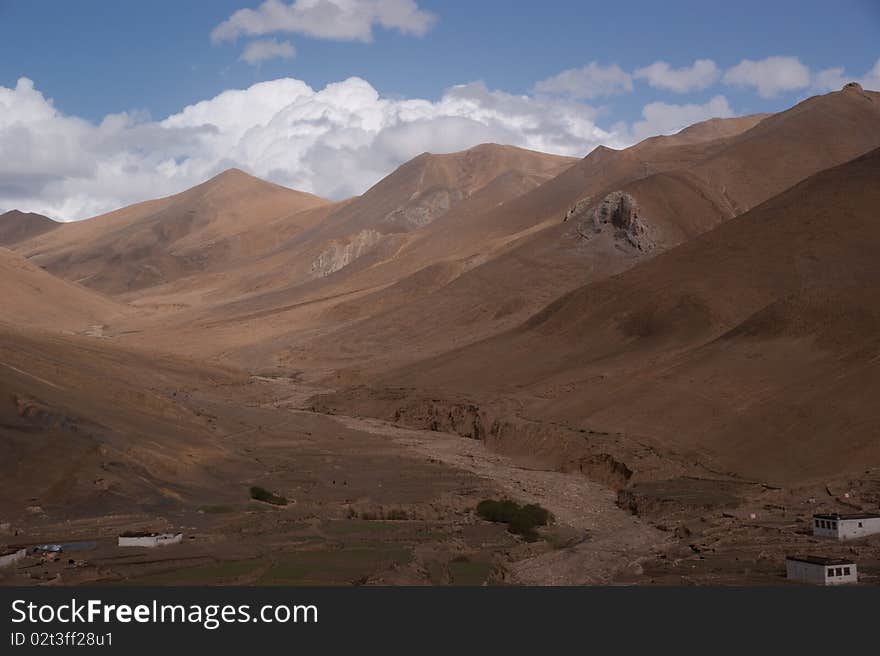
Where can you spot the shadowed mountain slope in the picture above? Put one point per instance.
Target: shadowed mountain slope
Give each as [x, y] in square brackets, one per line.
[16, 226]
[753, 347]
[33, 297]
[678, 186]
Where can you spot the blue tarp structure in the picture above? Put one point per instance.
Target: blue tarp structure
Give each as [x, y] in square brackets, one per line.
[64, 547]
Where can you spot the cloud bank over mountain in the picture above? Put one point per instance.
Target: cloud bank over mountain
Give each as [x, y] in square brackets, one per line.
[335, 142]
[339, 140]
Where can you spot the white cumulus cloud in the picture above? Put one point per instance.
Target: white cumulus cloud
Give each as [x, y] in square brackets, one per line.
[336, 141]
[701, 74]
[871, 79]
[770, 76]
[832, 79]
[262, 50]
[590, 81]
[340, 20]
[666, 118]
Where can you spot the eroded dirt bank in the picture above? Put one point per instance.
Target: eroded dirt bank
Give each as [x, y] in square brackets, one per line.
[697, 525]
[614, 459]
[603, 539]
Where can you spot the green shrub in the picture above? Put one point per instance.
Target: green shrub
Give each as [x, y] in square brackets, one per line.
[536, 515]
[501, 512]
[262, 494]
[521, 520]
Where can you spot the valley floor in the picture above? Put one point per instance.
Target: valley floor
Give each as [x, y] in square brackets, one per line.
[371, 502]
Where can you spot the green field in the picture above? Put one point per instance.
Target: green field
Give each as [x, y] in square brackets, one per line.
[342, 567]
[225, 572]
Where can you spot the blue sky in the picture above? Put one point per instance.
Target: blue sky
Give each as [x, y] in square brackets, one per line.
[150, 60]
[95, 57]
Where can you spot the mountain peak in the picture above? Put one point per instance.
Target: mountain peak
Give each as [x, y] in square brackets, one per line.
[17, 226]
[233, 173]
[235, 181]
[19, 214]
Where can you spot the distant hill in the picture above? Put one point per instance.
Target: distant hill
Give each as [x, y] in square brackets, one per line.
[34, 298]
[158, 241]
[428, 194]
[360, 243]
[356, 264]
[16, 226]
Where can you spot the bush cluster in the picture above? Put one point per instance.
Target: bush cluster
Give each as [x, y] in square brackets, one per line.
[262, 494]
[521, 520]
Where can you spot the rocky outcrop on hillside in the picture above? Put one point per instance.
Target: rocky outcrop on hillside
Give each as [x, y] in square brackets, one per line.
[340, 254]
[617, 212]
[423, 209]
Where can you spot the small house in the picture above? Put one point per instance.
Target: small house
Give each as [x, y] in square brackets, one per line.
[821, 571]
[847, 526]
[11, 556]
[132, 539]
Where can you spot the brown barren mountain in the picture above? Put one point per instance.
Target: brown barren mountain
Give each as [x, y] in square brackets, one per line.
[683, 185]
[86, 426]
[366, 237]
[301, 273]
[162, 240]
[357, 264]
[34, 298]
[752, 349]
[16, 226]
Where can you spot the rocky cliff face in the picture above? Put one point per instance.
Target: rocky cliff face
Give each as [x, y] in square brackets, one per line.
[340, 254]
[618, 213]
[423, 209]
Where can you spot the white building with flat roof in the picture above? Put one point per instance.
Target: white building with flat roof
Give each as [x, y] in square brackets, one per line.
[846, 527]
[11, 556]
[149, 539]
[821, 571]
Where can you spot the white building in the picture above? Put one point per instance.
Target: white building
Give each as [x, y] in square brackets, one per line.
[11, 557]
[846, 527]
[149, 539]
[821, 571]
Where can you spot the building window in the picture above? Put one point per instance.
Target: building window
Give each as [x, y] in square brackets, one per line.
[830, 571]
[860, 525]
[840, 571]
[846, 571]
[834, 525]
